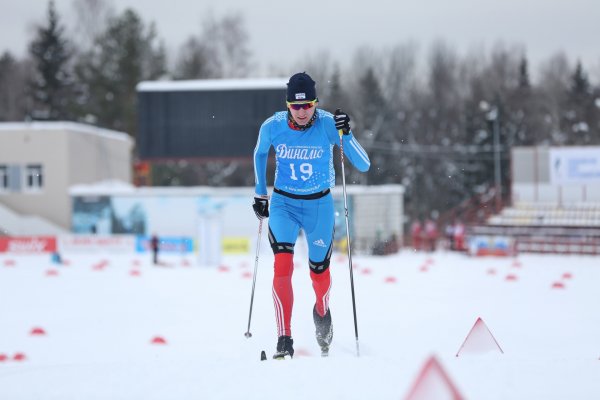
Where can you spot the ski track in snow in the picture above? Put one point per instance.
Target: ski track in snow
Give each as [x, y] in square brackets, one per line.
[99, 324]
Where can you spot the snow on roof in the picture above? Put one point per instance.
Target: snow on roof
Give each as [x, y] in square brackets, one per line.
[65, 126]
[212, 84]
[116, 187]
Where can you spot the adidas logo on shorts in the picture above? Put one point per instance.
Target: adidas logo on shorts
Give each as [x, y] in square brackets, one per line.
[319, 243]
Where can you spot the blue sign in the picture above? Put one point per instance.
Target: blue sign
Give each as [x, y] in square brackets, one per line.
[167, 244]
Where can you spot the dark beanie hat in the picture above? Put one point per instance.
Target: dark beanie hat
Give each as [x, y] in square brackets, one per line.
[301, 87]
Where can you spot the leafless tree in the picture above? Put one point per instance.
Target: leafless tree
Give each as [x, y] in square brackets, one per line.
[13, 81]
[91, 20]
[554, 84]
[220, 51]
[400, 74]
[194, 60]
[319, 66]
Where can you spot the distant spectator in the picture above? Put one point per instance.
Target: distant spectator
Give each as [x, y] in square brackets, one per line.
[431, 234]
[154, 246]
[415, 234]
[391, 245]
[459, 236]
[56, 258]
[449, 233]
[387, 246]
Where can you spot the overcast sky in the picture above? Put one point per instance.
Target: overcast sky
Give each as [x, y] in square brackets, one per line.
[282, 31]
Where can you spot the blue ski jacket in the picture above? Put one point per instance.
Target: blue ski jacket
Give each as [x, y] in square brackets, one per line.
[304, 159]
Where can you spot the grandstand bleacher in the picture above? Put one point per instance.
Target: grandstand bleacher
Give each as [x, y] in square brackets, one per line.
[554, 202]
[545, 227]
[584, 214]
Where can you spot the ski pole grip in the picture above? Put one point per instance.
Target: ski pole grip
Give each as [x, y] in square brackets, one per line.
[340, 131]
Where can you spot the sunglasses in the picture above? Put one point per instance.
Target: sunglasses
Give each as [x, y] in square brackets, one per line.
[303, 105]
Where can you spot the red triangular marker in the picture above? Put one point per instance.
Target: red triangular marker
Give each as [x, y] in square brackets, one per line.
[479, 340]
[433, 383]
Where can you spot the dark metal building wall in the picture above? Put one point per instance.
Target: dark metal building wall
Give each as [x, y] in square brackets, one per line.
[203, 124]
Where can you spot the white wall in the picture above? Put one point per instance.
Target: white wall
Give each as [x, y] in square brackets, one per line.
[534, 174]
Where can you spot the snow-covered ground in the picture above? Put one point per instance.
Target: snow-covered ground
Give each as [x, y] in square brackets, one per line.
[99, 320]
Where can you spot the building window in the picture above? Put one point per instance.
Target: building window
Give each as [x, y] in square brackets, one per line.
[34, 177]
[3, 178]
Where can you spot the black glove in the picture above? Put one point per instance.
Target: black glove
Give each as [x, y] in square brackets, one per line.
[342, 121]
[261, 207]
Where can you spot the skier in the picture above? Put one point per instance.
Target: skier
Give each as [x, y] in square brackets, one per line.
[303, 138]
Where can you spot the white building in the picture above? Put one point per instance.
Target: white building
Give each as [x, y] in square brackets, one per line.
[39, 161]
[556, 175]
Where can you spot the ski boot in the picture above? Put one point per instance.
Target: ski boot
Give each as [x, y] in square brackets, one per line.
[323, 330]
[285, 348]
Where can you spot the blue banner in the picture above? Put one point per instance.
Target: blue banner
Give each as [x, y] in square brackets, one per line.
[167, 244]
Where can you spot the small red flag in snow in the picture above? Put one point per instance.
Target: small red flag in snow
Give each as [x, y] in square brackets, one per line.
[37, 331]
[246, 274]
[158, 340]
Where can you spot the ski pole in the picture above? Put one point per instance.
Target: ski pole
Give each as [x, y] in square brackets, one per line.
[248, 334]
[341, 132]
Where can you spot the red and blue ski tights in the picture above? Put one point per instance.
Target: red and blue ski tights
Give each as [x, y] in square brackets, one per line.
[283, 294]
